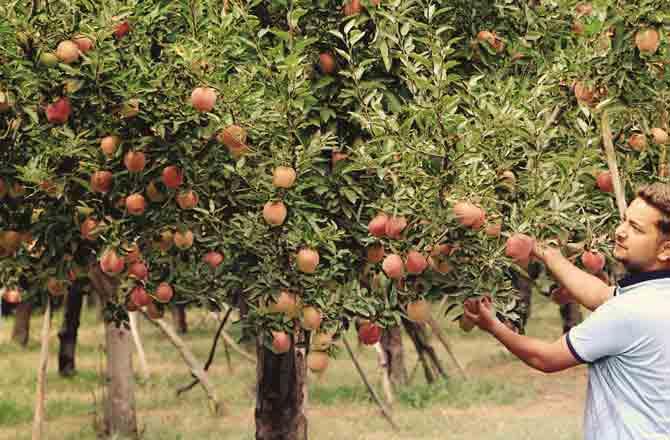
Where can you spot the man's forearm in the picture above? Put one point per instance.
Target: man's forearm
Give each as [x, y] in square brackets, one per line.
[529, 350]
[588, 290]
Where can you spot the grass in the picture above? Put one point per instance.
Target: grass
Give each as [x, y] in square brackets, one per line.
[502, 399]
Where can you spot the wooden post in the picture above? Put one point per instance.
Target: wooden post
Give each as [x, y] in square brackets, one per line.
[437, 331]
[134, 330]
[38, 419]
[376, 398]
[196, 369]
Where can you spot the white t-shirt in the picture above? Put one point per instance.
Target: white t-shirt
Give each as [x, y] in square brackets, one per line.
[626, 342]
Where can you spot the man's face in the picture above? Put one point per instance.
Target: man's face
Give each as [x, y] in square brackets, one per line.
[639, 242]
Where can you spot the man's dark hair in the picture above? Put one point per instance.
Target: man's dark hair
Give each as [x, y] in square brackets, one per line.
[658, 196]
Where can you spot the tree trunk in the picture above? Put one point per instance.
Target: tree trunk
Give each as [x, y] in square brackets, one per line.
[391, 343]
[280, 392]
[427, 355]
[524, 305]
[21, 330]
[571, 315]
[179, 318]
[68, 331]
[120, 418]
[119, 402]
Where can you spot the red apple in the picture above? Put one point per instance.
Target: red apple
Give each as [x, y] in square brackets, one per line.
[416, 263]
[59, 111]
[281, 342]
[283, 177]
[135, 161]
[111, 263]
[183, 240]
[172, 177]
[594, 262]
[369, 333]
[138, 270]
[393, 266]
[187, 199]
[203, 99]
[135, 204]
[121, 29]
[84, 43]
[395, 226]
[164, 292]
[140, 297]
[604, 182]
[311, 318]
[274, 213]
[317, 361]
[519, 247]
[213, 259]
[307, 260]
[327, 63]
[109, 144]
[377, 226]
[67, 51]
[101, 181]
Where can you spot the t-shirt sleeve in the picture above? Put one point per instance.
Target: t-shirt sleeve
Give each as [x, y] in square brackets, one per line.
[606, 332]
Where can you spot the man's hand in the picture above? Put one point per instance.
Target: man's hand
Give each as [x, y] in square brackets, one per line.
[541, 251]
[480, 312]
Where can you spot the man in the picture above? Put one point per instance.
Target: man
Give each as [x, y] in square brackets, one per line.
[626, 340]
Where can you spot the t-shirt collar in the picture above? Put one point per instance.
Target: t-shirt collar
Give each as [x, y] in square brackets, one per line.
[640, 277]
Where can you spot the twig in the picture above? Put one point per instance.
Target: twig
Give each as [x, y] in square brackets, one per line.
[38, 420]
[440, 336]
[211, 355]
[612, 164]
[385, 412]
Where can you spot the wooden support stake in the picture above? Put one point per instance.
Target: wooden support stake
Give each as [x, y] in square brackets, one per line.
[38, 420]
[144, 366]
[385, 412]
[196, 368]
[443, 340]
[386, 379]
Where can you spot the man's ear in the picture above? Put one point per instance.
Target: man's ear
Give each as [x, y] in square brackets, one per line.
[664, 255]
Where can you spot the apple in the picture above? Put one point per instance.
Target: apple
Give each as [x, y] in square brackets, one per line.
[213, 259]
[164, 292]
[203, 99]
[307, 260]
[283, 177]
[58, 112]
[274, 213]
[67, 51]
[281, 342]
[172, 177]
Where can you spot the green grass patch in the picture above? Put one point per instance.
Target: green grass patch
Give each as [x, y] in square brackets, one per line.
[463, 394]
[68, 407]
[338, 394]
[12, 413]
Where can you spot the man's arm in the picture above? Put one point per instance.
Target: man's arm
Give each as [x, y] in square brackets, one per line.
[544, 356]
[547, 357]
[586, 289]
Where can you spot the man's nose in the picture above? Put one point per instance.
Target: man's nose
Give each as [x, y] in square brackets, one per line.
[620, 232]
